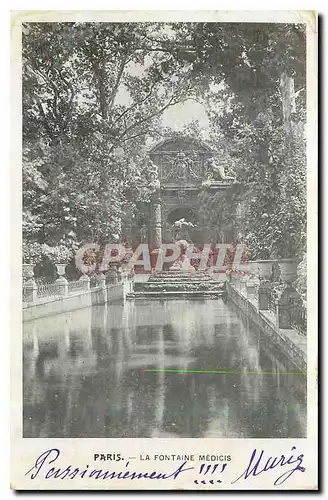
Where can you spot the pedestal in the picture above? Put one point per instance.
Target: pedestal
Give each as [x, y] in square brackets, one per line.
[263, 295]
[62, 286]
[31, 290]
[86, 281]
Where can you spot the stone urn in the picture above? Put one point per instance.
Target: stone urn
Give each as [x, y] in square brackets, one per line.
[28, 270]
[288, 269]
[264, 268]
[61, 269]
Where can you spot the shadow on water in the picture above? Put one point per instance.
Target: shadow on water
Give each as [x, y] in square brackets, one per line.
[85, 374]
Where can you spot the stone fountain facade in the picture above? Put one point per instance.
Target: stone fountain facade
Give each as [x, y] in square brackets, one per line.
[181, 168]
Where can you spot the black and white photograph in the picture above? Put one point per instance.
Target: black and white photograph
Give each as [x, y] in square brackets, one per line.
[165, 188]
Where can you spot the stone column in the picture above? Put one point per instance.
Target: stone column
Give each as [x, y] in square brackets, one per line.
[155, 221]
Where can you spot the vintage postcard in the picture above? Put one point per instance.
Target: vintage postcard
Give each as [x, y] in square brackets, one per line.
[164, 212]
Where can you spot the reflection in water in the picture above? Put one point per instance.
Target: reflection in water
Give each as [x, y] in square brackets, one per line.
[83, 374]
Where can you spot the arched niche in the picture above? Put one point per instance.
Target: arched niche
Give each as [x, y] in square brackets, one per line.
[180, 213]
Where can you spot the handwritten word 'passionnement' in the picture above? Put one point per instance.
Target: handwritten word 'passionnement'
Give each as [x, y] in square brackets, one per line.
[42, 468]
[259, 464]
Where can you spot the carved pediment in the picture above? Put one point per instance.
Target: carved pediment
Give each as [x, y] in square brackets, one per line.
[181, 144]
[180, 161]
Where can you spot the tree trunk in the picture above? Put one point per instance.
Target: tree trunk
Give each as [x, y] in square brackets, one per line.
[288, 100]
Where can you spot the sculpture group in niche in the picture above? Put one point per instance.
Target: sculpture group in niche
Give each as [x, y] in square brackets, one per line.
[182, 169]
[216, 173]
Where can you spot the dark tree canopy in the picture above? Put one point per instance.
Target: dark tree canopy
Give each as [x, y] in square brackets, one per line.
[93, 99]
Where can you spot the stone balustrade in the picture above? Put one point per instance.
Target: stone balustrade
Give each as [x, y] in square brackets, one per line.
[288, 340]
[287, 305]
[34, 292]
[276, 296]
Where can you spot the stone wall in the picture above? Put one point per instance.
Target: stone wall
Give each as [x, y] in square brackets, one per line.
[289, 341]
[79, 300]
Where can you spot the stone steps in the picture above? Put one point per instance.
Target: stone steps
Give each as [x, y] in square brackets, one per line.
[181, 276]
[180, 273]
[182, 294]
[173, 285]
[177, 279]
[193, 284]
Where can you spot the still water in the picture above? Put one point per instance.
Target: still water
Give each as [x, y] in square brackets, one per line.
[83, 375]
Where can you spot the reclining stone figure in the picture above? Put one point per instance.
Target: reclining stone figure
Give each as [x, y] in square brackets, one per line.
[217, 173]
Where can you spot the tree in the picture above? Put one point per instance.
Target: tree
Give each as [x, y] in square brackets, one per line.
[92, 95]
[93, 98]
[259, 70]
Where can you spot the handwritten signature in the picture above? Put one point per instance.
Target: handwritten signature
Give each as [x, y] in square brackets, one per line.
[259, 463]
[50, 456]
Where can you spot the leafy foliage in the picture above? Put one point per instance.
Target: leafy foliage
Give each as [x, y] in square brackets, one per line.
[93, 97]
[261, 130]
[300, 283]
[93, 94]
